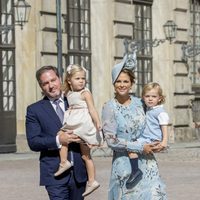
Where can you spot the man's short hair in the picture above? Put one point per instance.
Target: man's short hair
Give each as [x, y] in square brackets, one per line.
[43, 69]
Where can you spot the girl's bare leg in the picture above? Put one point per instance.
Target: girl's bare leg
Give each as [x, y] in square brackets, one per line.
[63, 153]
[92, 184]
[85, 150]
[64, 163]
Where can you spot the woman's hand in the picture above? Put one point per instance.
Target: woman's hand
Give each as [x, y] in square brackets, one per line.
[147, 149]
[158, 147]
[150, 148]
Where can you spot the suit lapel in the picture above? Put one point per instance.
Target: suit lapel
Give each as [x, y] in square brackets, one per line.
[66, 103]
[48, 108]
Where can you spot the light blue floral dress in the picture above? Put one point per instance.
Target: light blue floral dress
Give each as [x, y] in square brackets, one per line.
[122, 125]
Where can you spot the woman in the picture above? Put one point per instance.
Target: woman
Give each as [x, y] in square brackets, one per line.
[123, 122]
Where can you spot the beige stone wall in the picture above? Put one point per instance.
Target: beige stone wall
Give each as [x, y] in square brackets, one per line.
[31, 42]
[102, 50]
[26, 62]
[36, 47]
[163, 65]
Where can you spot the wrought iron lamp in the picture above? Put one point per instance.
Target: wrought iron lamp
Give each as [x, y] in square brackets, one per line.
[188, 50]
[136, 45]
[170, 29]
[22, 12]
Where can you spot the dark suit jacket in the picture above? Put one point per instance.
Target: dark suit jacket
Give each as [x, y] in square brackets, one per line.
[42, 125]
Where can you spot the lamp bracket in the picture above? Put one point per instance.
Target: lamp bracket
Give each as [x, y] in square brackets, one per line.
[138, 45]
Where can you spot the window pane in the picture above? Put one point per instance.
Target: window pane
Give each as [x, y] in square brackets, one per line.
[79, 39]
[143, 32]
[194, 63]
[8, 81]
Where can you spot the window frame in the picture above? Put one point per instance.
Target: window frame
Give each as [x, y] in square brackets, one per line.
[7, 53]
[194, 62]
[79, 39]
[142, 32]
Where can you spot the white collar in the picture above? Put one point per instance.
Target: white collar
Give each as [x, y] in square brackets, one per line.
[61, 98]
[154, 107]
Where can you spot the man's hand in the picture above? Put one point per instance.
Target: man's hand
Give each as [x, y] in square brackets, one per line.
[66, 137]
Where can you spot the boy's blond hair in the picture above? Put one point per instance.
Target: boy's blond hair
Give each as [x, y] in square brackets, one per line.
[153, 85]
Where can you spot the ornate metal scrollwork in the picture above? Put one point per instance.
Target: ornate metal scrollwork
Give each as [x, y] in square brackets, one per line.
[190, 51]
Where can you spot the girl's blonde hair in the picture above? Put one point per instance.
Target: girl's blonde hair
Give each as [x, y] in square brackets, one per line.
[71, 70]
[153, 85]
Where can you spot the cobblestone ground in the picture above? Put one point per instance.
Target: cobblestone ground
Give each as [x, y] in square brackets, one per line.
[179, 168]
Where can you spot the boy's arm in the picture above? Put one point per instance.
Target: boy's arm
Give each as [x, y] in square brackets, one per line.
[163, 118]
[165, 135]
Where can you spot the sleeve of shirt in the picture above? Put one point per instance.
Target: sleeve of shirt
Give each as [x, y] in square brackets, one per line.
[58, 142]
[163, 118]
[109, 125]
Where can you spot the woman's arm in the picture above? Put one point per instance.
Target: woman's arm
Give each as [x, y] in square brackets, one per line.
[109, 126]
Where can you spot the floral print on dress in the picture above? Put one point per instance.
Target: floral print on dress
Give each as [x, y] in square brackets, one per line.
[122, 125]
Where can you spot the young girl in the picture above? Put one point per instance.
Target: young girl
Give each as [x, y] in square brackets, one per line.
[156, 123]
[83, 119]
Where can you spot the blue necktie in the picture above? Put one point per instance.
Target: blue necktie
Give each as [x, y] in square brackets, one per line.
[59, 110]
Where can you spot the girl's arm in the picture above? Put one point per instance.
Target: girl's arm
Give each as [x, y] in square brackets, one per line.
[92, 110]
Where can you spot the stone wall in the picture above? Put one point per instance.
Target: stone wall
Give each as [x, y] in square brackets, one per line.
[111, 21]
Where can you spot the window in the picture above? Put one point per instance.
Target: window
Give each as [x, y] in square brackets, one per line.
[143, 31]
[7, 78]
[7, 52]
[79, 39]
[194, 64]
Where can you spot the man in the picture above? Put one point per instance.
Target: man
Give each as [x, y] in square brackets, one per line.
[42, 127]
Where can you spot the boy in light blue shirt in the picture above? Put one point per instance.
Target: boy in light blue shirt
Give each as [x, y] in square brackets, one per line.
[157, 118]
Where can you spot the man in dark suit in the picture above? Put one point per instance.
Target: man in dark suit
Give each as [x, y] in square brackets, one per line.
[44, 136]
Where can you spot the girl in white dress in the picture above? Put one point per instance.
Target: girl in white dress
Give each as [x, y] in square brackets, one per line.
[83, 119]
